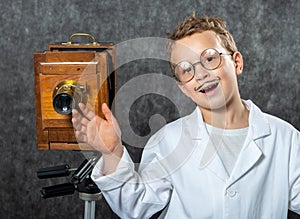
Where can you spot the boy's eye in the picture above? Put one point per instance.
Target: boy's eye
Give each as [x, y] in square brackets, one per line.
[187, 70]
[184, 67]
[210, 59]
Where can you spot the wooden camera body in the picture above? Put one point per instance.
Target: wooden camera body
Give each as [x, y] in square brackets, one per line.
[66, 74]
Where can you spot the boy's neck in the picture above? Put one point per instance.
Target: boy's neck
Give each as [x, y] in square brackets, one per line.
[233, 116]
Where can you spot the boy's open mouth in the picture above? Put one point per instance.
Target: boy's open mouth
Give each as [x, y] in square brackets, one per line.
[209, 87]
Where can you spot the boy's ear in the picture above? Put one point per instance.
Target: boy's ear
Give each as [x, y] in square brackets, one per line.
[238, 62]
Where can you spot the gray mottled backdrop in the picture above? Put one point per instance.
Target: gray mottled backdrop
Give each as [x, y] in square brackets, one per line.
[266, 31]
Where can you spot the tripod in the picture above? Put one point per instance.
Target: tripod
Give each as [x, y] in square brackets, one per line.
[89, 194]
[80, 181]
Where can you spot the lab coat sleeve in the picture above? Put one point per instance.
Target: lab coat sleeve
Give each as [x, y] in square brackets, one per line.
[133, 194]
[294, 173]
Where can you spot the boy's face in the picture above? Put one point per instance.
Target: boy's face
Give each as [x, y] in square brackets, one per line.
[219, 86]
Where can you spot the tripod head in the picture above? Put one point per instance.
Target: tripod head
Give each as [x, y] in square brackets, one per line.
[80, 179]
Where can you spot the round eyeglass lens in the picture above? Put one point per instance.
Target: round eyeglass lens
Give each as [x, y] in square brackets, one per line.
[184, 71]
[210, 59]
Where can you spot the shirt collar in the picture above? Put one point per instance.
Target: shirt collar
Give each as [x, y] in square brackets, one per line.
[258, 124]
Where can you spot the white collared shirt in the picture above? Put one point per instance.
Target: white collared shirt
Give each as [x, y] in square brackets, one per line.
[179, 173]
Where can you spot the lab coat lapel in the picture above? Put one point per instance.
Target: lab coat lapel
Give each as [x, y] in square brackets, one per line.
[252, 151]
[247, 159]
[211, 160]
[193, 125]
[205, 155]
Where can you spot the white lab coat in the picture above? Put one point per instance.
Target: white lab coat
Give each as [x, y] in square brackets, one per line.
[179, 174]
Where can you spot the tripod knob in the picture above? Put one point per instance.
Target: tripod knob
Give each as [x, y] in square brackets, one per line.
[51, 172]
[58, 190]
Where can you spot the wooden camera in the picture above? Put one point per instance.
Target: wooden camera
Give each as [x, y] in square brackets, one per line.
[65, 75]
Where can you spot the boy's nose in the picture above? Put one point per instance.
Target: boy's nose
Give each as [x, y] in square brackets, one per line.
[200, 72]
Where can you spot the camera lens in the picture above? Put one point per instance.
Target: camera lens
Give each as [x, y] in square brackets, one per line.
[66, 96]
[62, 103]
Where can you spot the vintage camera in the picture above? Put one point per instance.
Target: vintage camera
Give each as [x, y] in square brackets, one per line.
[65, 75]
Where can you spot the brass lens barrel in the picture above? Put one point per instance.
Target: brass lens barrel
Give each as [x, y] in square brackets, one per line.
[66, 95]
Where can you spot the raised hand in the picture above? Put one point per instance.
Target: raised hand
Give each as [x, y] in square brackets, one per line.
[102, 134]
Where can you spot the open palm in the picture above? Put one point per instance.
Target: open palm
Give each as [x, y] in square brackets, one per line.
[102, 134]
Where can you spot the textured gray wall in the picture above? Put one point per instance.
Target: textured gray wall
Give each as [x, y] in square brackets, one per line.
[266, 31]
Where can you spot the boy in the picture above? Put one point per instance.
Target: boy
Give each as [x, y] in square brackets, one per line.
[225, 160]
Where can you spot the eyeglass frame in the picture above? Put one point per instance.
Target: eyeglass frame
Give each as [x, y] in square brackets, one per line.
[197, 63]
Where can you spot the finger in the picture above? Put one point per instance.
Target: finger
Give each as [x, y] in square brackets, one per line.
[75, 113]
[80, 136]
[76, 124]
[79, 121]
[107, 113]
[83, 130]
[86, 112]
[76, 116]
[111, 119]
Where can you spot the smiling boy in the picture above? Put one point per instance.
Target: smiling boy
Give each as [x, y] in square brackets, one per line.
[227, 159]
[223, 95]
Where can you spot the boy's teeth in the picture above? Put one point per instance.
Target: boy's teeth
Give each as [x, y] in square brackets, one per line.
[207, 88]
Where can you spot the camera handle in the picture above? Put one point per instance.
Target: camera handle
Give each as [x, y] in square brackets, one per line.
[93, 41]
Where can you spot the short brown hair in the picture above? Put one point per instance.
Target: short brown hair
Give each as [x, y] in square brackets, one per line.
[194, 24]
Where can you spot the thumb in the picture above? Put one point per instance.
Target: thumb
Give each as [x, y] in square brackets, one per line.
[111, 119]
[107, 113]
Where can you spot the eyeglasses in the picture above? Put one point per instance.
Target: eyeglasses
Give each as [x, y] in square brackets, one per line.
[210, 59]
